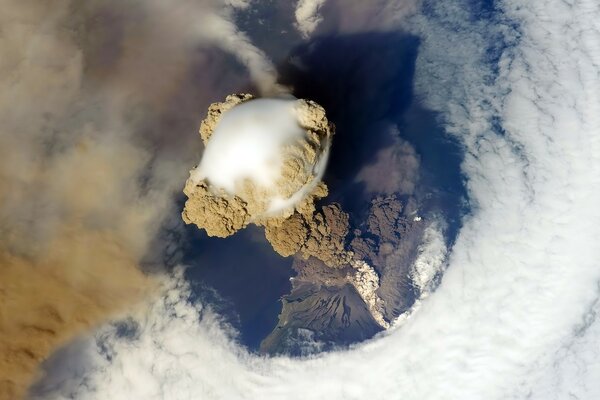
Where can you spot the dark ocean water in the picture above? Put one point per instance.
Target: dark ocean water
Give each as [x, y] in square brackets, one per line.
[248, 276]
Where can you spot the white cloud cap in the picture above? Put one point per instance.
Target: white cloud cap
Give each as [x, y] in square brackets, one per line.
[248, 144]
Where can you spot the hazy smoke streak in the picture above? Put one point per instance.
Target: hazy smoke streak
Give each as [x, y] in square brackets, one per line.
[212, 22]
[522, 274]
[261, 70]
[351, 16]
[90, 157]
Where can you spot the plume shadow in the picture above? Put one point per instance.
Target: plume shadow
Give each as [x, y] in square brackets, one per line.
[365, 82]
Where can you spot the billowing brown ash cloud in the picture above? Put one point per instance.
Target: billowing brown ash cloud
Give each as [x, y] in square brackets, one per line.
[95, 111]
[263, 163]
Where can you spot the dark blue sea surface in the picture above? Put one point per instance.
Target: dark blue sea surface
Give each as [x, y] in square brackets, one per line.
[248, 276]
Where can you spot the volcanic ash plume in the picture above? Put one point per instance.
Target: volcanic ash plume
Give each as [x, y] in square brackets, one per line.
[263, 163]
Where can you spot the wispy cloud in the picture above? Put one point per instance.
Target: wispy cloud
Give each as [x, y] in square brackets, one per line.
[308, 16]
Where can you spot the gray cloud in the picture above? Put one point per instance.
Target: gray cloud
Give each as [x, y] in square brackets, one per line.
[395, 169]
[355, 16]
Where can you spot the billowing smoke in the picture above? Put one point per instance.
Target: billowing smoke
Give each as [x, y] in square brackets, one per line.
[263, 162]
[90, 146]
